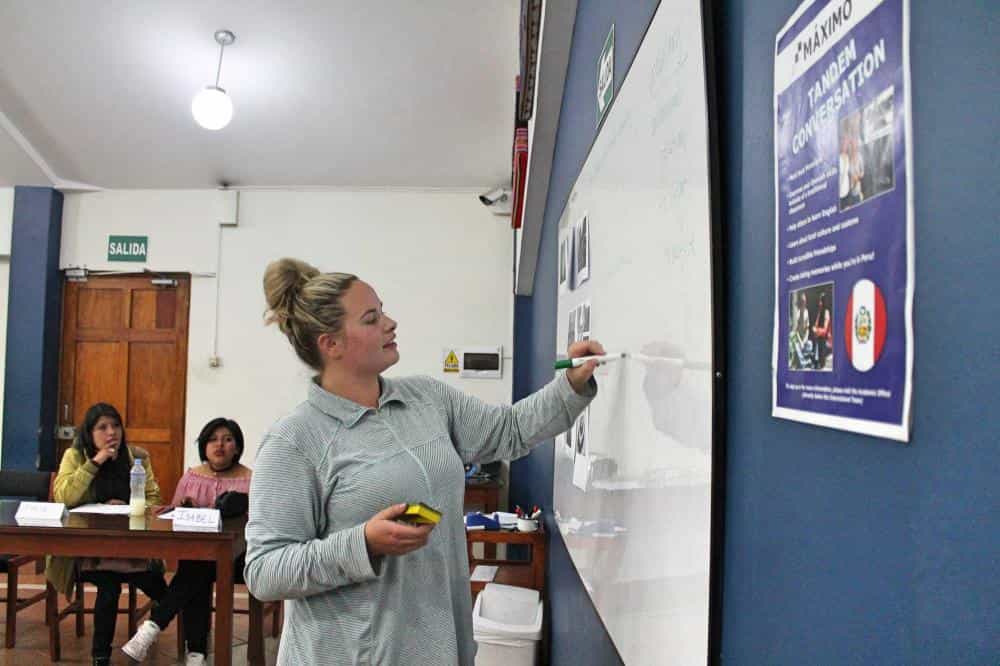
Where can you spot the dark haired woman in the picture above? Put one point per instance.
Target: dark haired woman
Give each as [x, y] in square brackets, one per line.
[333, 476]
[96, 469]
[220, 446]
[822, 332]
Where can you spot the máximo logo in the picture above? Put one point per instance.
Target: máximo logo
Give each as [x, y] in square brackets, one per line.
[823, 32]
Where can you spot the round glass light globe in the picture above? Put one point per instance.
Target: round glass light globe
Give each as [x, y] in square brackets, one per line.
[212, 108]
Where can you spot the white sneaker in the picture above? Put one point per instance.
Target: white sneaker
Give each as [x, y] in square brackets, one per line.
[138, 646]
[195, 659]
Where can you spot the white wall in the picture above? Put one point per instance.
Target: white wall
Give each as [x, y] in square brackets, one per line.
[438, 260]
[6, 219]
[6, 227]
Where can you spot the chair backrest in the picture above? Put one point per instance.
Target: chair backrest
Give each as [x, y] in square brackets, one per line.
[25, 484]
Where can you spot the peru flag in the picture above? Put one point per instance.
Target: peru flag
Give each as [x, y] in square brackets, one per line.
[864, 325]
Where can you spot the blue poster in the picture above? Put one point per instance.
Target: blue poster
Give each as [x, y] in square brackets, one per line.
[843, 325]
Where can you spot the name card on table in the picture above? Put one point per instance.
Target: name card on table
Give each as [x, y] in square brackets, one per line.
[197, 520]
[42, 514]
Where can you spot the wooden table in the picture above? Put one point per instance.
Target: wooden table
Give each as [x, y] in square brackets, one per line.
[522, 573]
[486, 498]
[486, 495]
[95, 535]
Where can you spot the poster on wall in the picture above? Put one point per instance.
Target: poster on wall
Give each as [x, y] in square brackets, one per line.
[843, 325]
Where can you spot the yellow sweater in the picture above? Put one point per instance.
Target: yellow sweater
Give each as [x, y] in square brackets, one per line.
[74, 486]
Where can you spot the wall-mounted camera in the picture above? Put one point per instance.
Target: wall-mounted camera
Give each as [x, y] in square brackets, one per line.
[498, 200]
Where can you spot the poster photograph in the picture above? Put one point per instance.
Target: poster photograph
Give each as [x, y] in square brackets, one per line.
[810, 329]
[844, 272]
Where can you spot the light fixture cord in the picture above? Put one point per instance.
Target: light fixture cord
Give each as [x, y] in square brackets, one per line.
[218, 72]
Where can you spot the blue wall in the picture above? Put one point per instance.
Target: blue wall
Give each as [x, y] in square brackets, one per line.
[844, 549]
[31, 372]
[840, 549]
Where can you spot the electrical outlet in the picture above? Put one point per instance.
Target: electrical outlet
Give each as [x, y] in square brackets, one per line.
[214, 361]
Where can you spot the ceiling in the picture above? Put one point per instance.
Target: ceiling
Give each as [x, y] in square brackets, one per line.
[327, 93]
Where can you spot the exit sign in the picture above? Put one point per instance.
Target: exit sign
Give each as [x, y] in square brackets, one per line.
[606, 75]
[128, 248]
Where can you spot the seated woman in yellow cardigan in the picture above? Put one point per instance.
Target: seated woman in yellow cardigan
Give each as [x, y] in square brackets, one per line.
[96, 469]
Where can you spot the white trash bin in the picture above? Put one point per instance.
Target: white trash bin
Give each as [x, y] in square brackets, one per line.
[507, 625]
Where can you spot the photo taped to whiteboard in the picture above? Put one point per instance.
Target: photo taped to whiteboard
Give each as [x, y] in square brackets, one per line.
[581, 451]
[581, 435]
[581, 233]
[565, 262]
[583, 321]
[571, 329]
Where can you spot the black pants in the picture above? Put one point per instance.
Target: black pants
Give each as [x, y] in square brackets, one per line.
[823, 350]
[190, 590]
[109, 588]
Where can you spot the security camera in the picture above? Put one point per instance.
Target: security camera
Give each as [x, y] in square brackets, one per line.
[494, 195]
[497, 200]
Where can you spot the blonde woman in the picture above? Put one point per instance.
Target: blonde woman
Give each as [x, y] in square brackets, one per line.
[332, 476]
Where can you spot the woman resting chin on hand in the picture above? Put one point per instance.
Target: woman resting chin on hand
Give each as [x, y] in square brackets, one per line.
[96, 469]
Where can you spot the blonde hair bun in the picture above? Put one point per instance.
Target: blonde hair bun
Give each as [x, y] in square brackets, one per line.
[283, 281]
[305, 304]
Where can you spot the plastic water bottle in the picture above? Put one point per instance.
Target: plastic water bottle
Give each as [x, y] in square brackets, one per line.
[137, 497]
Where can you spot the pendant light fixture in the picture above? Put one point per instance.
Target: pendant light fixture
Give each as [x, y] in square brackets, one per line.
[211, 107]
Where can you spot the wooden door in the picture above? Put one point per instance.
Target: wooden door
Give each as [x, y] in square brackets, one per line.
[124, 342]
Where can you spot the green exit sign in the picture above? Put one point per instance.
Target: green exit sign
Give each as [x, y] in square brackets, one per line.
[128, 248]
[606, 75]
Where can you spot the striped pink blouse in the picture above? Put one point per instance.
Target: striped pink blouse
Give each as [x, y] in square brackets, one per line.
[204, 489]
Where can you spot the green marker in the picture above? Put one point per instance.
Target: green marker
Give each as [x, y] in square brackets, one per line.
[568, 363]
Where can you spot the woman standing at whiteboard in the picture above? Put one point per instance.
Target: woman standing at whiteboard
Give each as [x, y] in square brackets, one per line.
[332, 476]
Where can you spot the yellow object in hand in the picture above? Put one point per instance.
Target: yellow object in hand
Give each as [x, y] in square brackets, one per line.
[420, 514]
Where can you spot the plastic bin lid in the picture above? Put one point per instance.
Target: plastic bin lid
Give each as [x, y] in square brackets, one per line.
[525, 632]
[508, 604]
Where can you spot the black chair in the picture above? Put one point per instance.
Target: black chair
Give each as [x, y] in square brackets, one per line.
[29, 486]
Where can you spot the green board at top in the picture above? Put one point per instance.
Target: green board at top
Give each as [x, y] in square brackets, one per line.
[606, 75]
[128, 248]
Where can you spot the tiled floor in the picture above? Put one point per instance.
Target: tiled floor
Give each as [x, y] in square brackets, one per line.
[33, 637]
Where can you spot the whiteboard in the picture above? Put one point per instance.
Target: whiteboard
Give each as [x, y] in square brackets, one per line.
[634, 501]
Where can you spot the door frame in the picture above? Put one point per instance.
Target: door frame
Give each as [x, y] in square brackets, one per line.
[65, 396]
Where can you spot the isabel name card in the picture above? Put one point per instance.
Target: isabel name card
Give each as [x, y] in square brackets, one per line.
[197, 520]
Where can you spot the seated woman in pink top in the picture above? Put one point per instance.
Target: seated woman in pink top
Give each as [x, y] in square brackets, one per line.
[220, 446]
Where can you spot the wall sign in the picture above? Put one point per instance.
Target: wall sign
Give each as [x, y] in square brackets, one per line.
[606, 75]
[843, 321]
[450, 361]
[128, 248]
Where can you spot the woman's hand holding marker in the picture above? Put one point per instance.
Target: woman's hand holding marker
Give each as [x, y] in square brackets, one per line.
[578, 377]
